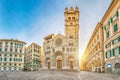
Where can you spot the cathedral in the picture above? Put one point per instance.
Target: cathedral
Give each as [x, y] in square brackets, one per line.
[62, 51]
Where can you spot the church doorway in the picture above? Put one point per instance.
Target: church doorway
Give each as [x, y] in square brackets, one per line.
[71, 64]
[48, 65]
[59, 64]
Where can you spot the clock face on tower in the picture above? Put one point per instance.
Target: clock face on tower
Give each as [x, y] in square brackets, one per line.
[58, 42]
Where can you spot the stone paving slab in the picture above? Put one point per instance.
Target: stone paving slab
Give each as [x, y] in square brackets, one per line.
[57, 75]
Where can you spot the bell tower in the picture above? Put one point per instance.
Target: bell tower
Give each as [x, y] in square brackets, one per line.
[71, 22]
[72, 35]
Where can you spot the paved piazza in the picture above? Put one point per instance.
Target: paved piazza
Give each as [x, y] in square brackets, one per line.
[57, 75]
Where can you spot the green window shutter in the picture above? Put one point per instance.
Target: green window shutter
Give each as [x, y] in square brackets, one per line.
[112, 42]
[10, 59]
[108, 22]
[104, 27]
[119, 49]
[0, 49]
[110, 54]
[117, 13]
[111, 20]
[5, 59]
[119, 39]
[115, 27]
[113, 52]
[107, 34]
[106, 55]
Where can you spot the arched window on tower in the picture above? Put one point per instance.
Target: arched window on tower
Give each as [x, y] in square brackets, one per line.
[69, 18]
[73, 18]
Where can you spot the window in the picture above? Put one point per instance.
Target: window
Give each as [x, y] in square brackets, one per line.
[117, 13]
[11, 43]
[71, 37]
[104, 27]
[6, 49]
[10, 59]
[0, 44]
[48, 41]
[63, 49]
[10, 64]
[5, 54]
[73, 18]
[20, 51]
[115, 27]
[70, 44]
[106, 55]
[4, 64]
[119, 49]
[119, 39]
[11, 50]
[107, 34]
[112, 42]
[6, 43]
[10, 54]
[0, 49]
[0, 59]
[53, 50]
[15, 50]
[5, 59]
[69, 18]
[109, 23]
[111, 20]
[113, 52]
[109, 53]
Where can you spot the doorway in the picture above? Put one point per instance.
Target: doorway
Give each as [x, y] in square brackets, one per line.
[59, 64]
[71, 64]
[48, 65]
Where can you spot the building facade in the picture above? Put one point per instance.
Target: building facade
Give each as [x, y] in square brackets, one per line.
[111, 25]
[93, 57]
[11, 55]
[61, 52]
[33, 57]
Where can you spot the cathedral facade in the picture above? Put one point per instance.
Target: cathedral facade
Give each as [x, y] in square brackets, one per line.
[62, 51]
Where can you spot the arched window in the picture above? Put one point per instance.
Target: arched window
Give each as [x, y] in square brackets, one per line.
[69, 18]
[73, 18]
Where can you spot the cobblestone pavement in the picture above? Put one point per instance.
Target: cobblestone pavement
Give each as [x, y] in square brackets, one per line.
[57, 75]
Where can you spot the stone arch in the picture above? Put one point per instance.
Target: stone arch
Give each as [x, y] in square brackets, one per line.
[58, 53]
[59, 59]
[117, 66]
[71, 62]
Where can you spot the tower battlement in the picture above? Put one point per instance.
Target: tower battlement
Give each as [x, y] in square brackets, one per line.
[71, 10]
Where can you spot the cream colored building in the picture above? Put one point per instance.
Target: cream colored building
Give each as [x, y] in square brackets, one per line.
[11, 55]
[33, 57]
[111, 24]
[93, 58]
[61, 51]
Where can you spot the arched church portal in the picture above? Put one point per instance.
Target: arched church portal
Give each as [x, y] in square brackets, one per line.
[71, 62]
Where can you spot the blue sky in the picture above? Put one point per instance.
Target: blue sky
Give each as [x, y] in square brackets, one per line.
[32, 20]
